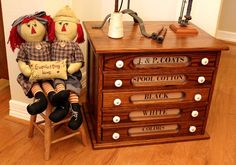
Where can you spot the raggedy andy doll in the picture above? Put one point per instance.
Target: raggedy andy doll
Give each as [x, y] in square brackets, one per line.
[68, 35]
[29, 33]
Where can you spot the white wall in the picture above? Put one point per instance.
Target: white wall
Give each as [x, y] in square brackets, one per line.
[227, 17]
[227, 24]
[147, 10]
[205, 15]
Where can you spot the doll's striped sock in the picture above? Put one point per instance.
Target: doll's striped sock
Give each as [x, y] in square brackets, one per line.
[47, 87]
[76, 118]
[36, 88]
[60, 87]
[73, 98]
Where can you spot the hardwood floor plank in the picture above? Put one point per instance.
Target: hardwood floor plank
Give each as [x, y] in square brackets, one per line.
[3, 84]
[230, 145]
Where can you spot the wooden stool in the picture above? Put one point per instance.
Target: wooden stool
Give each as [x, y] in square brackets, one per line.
[48, 131]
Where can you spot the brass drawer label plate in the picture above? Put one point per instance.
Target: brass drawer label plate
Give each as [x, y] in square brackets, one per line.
[156, 97]
[153, 130]
[159, 80]
[155, 62]
[154, 114]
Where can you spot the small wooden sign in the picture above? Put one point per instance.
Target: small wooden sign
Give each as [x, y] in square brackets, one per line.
[157, 97]
[153, 130]
[46, 70]
[154, 114]
[165, 61]
[183, 30]
[158, 80]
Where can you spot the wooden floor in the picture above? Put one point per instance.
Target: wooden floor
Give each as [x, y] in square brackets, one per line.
[16, 148]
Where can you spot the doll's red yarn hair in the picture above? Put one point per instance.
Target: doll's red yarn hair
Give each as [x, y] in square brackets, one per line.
[80, 37]
[80, 32]
[16, 40]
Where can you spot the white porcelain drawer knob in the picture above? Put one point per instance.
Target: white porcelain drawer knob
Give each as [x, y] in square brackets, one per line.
[201, 79]
[194, 114]
[116, 119]
[205, 61]
[119, 64]
[192, 129]
[115, 136]
[118, 83]
[117, 102]
[197, 97]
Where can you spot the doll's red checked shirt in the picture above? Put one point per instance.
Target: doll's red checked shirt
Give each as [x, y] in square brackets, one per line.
[37, 51]
[66, 50]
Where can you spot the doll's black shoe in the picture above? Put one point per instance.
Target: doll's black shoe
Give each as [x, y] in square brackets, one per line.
[57, 99]
[77, 118]
[39, 105]
[60, 112]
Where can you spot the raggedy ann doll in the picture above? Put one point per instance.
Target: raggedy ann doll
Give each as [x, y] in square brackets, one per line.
[68, 35]
[29, 33]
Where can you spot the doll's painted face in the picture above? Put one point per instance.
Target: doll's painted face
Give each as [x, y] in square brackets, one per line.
[33, 31]
[65, 30]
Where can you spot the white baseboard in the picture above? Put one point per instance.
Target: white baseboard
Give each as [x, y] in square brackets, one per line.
[226, 35]
[18, 110]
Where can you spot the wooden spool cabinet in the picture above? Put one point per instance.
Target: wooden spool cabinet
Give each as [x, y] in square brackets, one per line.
[142, 92]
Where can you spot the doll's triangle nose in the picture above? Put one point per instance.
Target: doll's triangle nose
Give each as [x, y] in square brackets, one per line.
[33, 30]
[63, 29]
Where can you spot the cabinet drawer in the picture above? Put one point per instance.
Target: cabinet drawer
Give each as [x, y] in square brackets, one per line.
[150, 115]
[153, 131]
[147, 61]
[140, 80]
[132, 99]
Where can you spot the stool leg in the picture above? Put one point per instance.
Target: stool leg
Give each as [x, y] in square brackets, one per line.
[31, 126]
[47, 133]
[82, 130]
[83, 135]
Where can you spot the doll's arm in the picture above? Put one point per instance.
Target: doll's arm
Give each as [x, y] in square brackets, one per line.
[21, 60]
[74, 67]
[24, 68]
[79, 60]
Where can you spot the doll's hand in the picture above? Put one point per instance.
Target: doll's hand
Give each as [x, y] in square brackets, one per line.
[74, 67]
[24, 68]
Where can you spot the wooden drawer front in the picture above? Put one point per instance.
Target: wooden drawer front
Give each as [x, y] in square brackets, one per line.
[147, 61]
[123, 99]
[150, 79]
[152, 131]
[150, 115]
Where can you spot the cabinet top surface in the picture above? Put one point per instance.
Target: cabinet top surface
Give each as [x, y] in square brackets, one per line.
[134, 41]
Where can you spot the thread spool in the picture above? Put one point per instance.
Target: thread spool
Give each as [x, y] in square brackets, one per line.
[116, 26]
